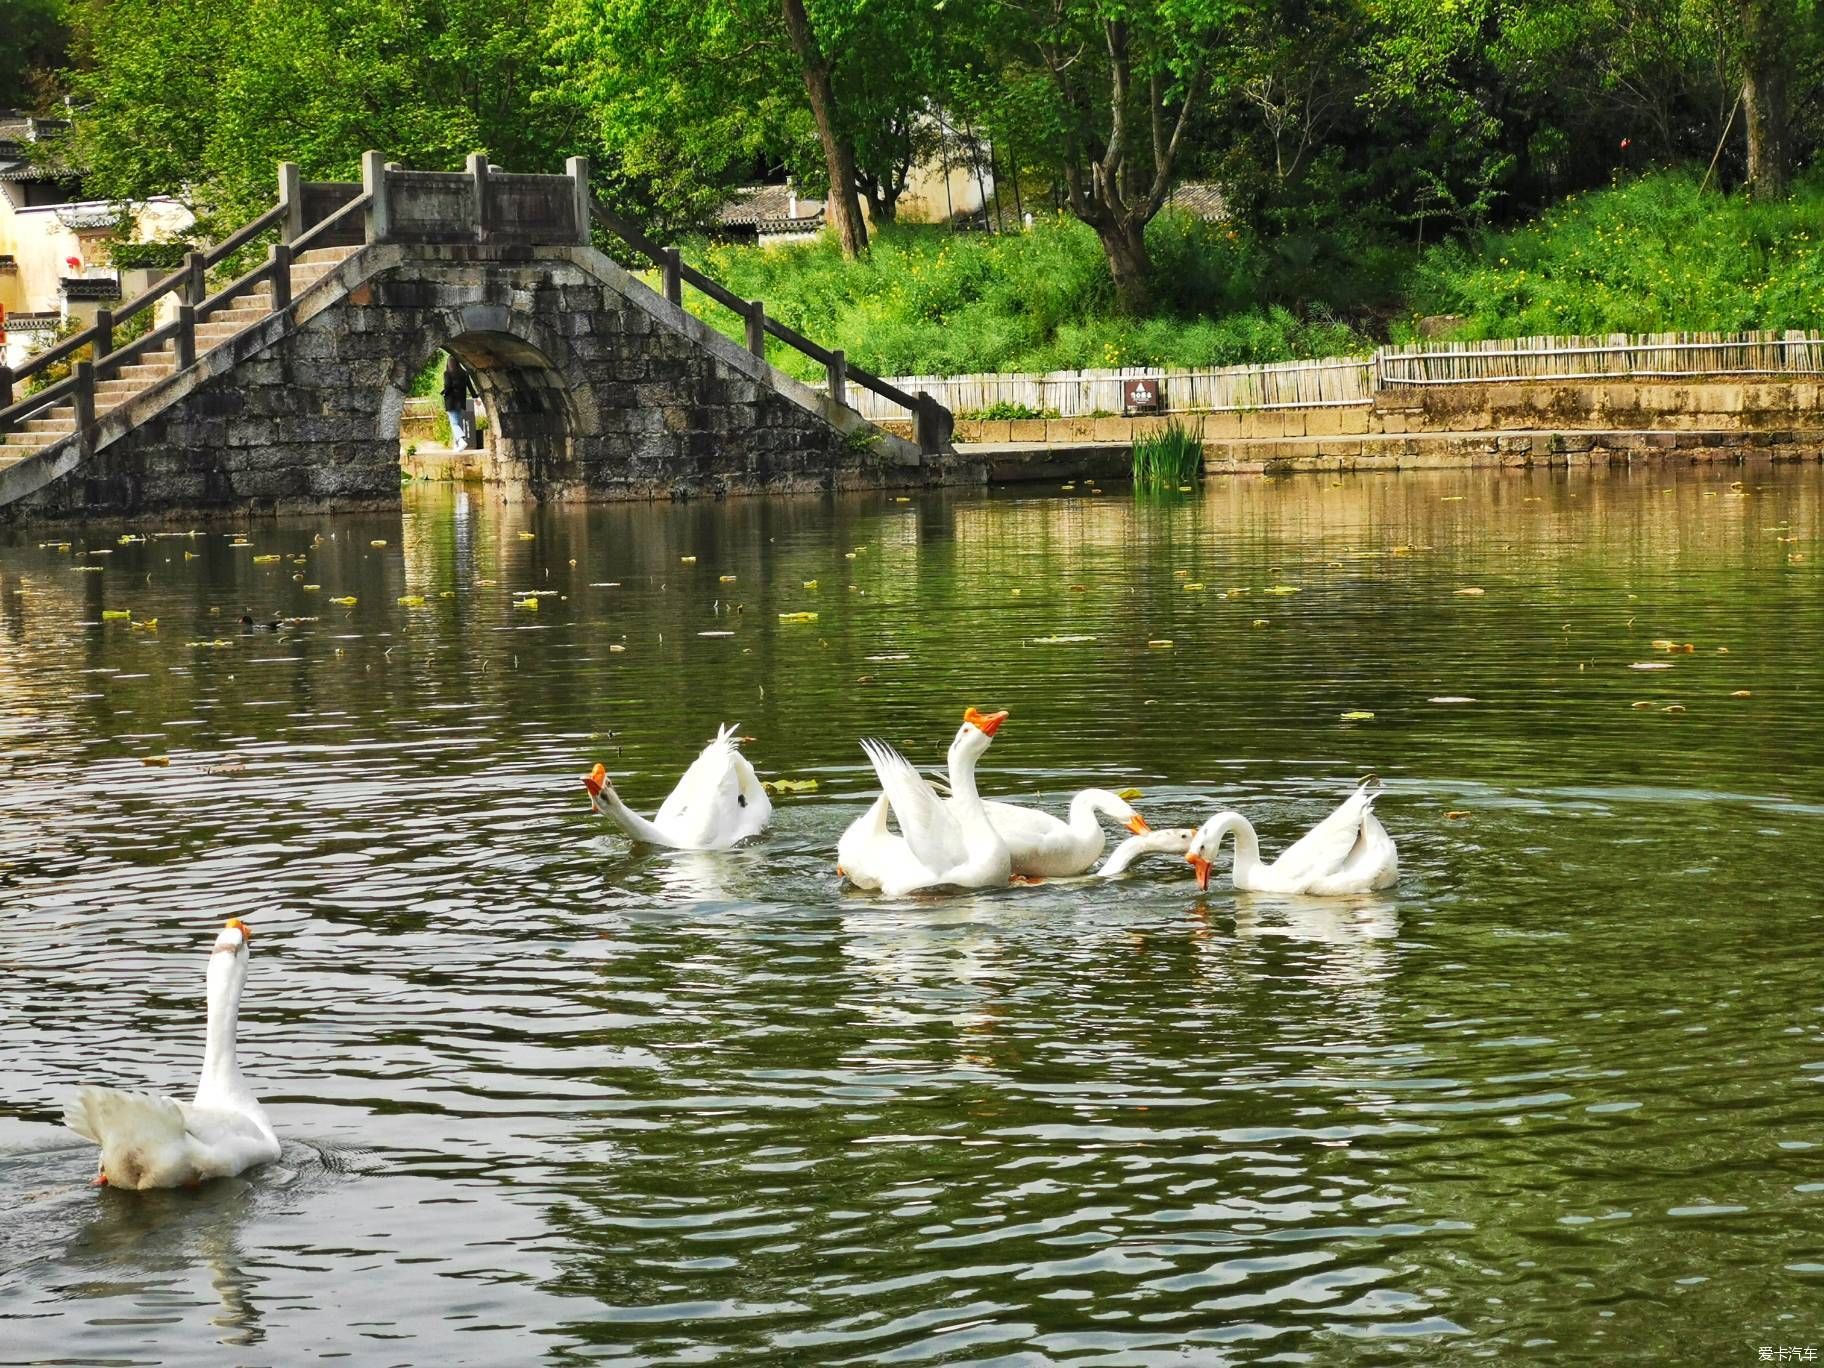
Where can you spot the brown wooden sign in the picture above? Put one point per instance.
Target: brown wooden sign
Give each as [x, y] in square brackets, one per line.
[1140, 396]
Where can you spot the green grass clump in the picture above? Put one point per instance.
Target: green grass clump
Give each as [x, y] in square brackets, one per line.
[1168, 459]
[926, 301]
[1646, 255]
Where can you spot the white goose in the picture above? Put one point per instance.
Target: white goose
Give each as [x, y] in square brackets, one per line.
[718, 802]
[942, 844]
[158, 1142]
[1045, 847]
[1171, 841]
[1348, 852]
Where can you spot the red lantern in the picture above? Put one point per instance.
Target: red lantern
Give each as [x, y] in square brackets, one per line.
[1624, 143]
[74, 263]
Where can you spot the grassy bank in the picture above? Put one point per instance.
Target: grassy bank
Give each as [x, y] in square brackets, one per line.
[1648, 255]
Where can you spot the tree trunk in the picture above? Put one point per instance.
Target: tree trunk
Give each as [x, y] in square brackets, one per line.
[1130, 266]
[1766, 61]
[838, 152]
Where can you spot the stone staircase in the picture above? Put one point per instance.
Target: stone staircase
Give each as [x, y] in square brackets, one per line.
[59, 422]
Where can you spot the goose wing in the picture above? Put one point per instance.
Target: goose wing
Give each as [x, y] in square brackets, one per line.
[932, 832]
[1325, 848]
[718, 801]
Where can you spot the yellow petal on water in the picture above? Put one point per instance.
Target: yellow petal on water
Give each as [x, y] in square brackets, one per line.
[266, 560]
[531, 603]
[348, 602]
[1357, 716]
[1451, 498]
[1471, 592]
[1662, 644]
[447, 593]
[725, 579]
[1013, 593]
[810, 584]
[1164, 644]
[1128, 795]
[378, 541]
[1181, 574]
[312, 588]
[902, 498]
[1193, 586]
[411, 600]
[790, 785]
[156, 761]
[116, 614]
[797, 617]
[687, 560]
[1182, 489]
[528, 536]
[1742, 693]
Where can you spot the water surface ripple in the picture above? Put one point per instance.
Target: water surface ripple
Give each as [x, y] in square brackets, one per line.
[544, 1096]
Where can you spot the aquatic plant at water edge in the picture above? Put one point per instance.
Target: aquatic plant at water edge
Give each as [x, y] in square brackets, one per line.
[1168, 458]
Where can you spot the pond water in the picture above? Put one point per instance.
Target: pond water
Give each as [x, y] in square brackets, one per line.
[1558, 1094]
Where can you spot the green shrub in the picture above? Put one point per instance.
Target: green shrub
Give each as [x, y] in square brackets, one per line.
[1004, 410]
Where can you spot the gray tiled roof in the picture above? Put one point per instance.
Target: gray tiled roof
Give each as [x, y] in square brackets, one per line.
[1202, 198]
[769, 208]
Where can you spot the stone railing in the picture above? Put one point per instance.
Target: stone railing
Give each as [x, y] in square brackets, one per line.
[479, 205]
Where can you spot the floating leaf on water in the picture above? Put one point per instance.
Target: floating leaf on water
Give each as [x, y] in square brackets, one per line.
[715, 634]
[789, 785]
[897, 655]
[1128, 795]
[848, 555]
[1662, 644]
[1258, 622]
[1651, 665]
[1644, 704]
[810, 584]
[1357, 716]
[687, 560]
[1451, 498]
[116, 614]
[217, 645]
[725, 579]
[348, 602]
[149, 625]
[1455, 815]
[1722, 650]
[378, 541]
[528, 536]
[1059, 640]
[156, 761]
[1013, 593]
[617, 648]
[797, 617]
[312, 588]
[1471, 592]
[1673, 708]
[902, 498]
[1163, 644]
[266, 560]
[192, 555]
[531, 603]
[1451, 698]
[1181, 574]
[1742, 693]
[864, 679]
[1193, 586]
[411, 600]
[1285, 589]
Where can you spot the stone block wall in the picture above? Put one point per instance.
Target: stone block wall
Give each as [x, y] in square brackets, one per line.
[598, 389]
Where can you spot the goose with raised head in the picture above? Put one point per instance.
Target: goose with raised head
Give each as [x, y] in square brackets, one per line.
[718, 802]
[1169, 841]
[1348, 852]
[149, 1141]
[940, 844]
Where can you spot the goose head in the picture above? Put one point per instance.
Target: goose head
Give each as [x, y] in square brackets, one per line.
[1206, 843]
[595, 781]
[232, 939]
[974, 736]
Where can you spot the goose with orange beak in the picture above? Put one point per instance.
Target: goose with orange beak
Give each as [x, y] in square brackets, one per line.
[718, 802]
[148, 1141]
[940, 844]
[1349, 852]
[1045, 847]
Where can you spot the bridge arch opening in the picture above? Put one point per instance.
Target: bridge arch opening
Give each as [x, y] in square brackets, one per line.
[522, 386]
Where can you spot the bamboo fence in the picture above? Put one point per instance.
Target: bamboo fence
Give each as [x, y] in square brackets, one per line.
[1340, 382]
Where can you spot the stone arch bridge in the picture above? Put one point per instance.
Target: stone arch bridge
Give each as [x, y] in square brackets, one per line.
[283, 389]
